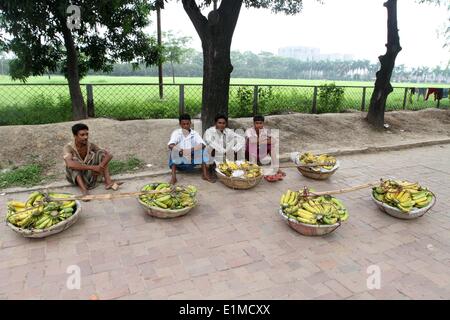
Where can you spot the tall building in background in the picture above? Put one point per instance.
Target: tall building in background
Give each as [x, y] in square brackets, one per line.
[311, 54]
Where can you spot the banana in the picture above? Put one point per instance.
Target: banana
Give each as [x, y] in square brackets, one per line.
[344, 216]
[329, 220]
[69, 204]
[31, 199]
[307, 221]
[17, 204]
[305, 214]
[309, 208]
[282, 200]
[405, 197]
[160, 204]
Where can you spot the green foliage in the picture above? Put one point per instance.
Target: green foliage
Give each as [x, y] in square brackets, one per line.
[24, 176]
[330, 98]
[129, 165]
[36, 31]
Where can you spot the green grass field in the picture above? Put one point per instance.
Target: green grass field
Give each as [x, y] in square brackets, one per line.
[134, 98]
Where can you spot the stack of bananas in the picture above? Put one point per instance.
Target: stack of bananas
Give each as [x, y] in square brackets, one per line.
[38, 212]
[250, 170]
[323, 210]
[171, 198]
[403, 195]
[309, 158]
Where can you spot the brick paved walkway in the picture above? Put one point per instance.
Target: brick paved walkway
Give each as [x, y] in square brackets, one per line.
[234, 245]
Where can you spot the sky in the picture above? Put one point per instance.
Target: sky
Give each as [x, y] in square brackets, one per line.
[356, 27]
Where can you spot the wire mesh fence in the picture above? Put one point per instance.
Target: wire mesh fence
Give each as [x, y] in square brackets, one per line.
[50, 103]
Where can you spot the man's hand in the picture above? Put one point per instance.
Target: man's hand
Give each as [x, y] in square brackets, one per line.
[97, 169]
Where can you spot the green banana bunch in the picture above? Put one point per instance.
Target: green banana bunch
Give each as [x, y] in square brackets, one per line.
[179, 197]
[402, 194]
[40, 213]
[318, 210]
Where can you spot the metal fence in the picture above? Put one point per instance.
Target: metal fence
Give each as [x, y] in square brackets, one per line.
[50, 103]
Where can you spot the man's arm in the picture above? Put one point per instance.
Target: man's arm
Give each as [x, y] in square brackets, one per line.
[75, 165]
[213, 143]
[239, 141]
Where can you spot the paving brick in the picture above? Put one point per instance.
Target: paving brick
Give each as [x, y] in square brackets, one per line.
[243, 250]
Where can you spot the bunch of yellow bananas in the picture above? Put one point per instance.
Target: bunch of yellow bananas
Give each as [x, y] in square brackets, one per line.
[308, 158]
[250, 170]
[313, 210]
[175, 198]
[38, 212]
[403, 195]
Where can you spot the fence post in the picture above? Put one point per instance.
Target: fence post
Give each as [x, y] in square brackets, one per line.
[314, 103]
[363, 102]
[255, 100]
[404, 98]
[90, 101]
[181, 99]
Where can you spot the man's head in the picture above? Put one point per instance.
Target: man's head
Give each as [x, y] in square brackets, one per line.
[221, 122]
[81, 133]
[185, 121]
[258, 122]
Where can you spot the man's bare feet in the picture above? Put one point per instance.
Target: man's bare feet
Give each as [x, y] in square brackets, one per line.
[85, 193]
[173, 180]
[113, 185]
[209, 179]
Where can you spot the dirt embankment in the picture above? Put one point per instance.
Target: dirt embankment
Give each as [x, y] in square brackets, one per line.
[147, 139]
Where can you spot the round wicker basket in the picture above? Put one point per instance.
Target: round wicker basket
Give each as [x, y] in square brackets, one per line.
[397, 213]
[42, 233]
[238, 183]
[309, 229]
[161, 213]
[158, 212]
[318, 175]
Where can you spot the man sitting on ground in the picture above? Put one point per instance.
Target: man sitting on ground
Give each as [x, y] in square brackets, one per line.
[187, 150]
[259, 143]
[224, 143]
[85, 161]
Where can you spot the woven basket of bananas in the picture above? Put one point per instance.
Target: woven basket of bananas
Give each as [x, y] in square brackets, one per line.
[40, 217]
[312, 215]
[320, 172]
[174, 201]
[403, 199]
[239, 175]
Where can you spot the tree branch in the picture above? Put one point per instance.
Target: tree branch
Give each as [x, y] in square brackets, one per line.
[198, 19]
[229, 12]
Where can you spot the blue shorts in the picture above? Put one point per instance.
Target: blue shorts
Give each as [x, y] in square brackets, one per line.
[183, 164]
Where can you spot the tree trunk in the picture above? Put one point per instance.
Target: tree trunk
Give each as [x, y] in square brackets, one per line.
[216, 79]
[73, 77]
[173, 71]
[216, 34]
[383, 86]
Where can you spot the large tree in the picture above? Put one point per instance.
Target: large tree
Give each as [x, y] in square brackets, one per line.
[383, 85]
[216, 33]
[43, 40]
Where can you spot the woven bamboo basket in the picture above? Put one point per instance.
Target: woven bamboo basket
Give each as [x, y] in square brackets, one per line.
[158, 212]
[309, 229]
[238, 183]
[323, 174]
[57, 228]
[161, 213]
[397, 213]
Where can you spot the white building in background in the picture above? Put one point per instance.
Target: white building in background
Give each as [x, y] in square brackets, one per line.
[311, 54]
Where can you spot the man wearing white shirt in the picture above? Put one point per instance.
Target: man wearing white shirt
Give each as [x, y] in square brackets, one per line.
[223, 143]
[187, 149]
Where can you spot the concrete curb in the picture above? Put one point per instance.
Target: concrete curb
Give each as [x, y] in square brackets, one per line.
[283, 158]
[65, 184]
